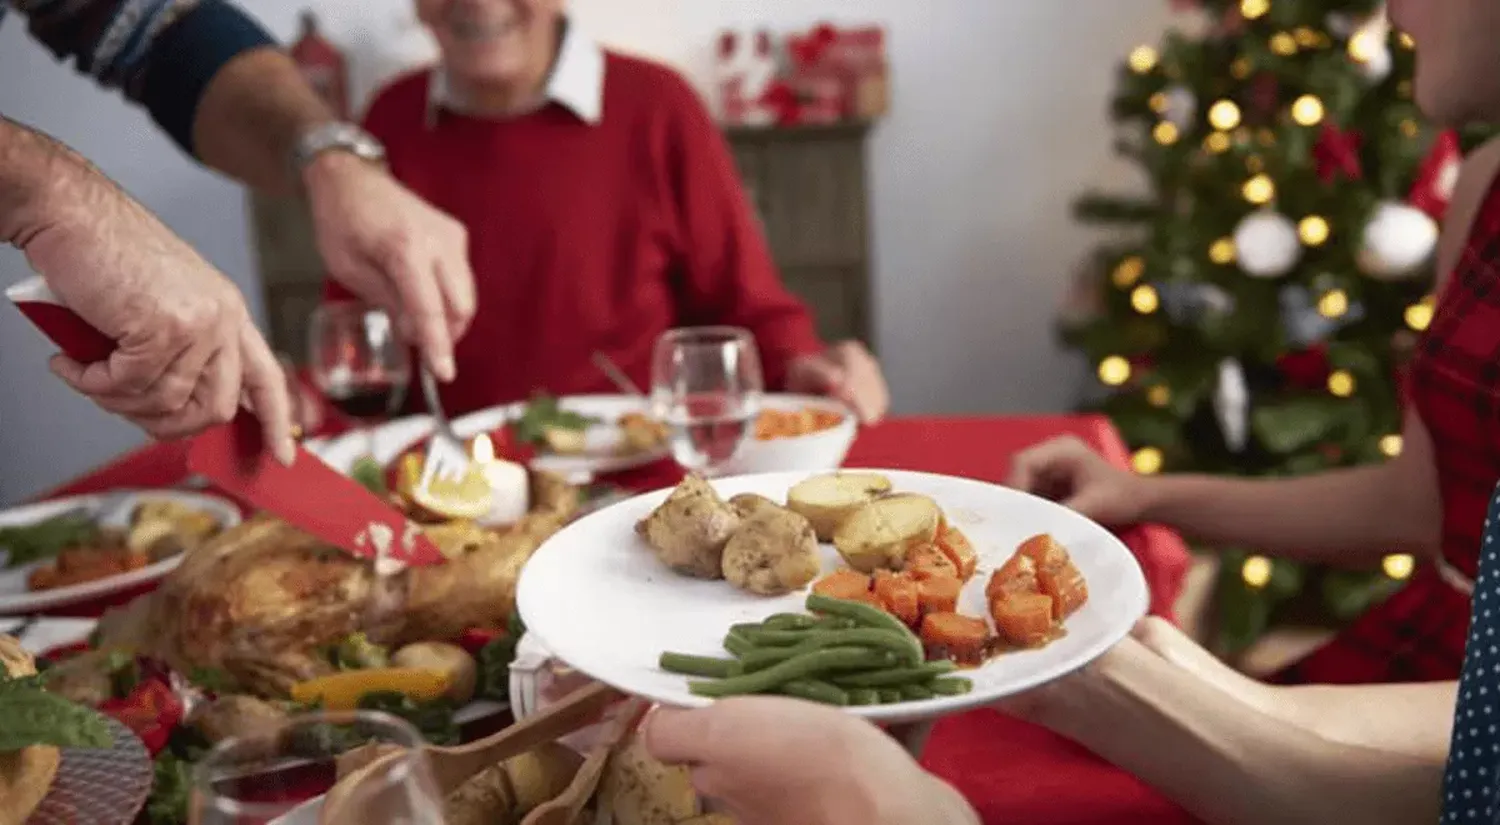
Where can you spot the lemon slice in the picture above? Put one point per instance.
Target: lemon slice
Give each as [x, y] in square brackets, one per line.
[408, 474]
[467, 497]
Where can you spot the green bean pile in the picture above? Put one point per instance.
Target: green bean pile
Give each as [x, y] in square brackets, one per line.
[851, 653]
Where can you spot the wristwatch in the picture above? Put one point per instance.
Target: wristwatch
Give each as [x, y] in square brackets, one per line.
[341, 137]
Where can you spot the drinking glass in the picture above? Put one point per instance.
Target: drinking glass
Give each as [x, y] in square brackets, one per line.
[359, 363]
[706, 387]
[262, 777]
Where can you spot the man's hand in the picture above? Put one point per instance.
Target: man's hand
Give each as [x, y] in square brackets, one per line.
[846, 371]
[773, 761]
[394, 251]
[187, 354]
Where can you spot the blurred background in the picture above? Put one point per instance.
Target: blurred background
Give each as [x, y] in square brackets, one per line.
[998, 117]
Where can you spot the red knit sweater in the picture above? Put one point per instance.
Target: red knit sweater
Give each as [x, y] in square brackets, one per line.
[591, 237]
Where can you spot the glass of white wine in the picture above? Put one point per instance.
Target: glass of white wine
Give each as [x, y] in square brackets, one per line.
[706, 387]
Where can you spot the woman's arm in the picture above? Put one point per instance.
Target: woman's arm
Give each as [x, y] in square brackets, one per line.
[1231, 765]
[1326, 517]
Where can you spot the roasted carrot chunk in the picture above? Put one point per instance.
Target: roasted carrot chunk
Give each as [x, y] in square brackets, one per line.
[959, 550]
[898, 595]
[1017, 575]
[1024, 618]
[844, 583]
[939, 594]
[927, 559]
[955, 636]
[1043, 549]
[1066, 587]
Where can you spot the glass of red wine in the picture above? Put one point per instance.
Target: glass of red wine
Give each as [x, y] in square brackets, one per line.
[277, 773]
[359, 363]
[706, 387]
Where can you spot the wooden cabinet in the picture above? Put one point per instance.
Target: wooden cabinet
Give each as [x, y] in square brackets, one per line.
[807, 184]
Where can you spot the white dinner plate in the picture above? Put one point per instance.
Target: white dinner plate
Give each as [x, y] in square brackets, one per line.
[597, 597]
[15, 595]
[599, 457]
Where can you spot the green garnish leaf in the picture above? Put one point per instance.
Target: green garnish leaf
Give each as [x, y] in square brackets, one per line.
[45, 539]
[370, 475]
[544, 412]
[433, 719]
[29, 715]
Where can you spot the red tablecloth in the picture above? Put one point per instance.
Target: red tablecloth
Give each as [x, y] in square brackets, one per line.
[1013, 772]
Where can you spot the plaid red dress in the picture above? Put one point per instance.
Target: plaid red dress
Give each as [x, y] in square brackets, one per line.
[1418, 634]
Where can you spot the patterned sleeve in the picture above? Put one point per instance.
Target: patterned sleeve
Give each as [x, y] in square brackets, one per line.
[160, 53]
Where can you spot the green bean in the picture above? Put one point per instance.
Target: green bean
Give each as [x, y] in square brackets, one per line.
[915, 692]
[790, 621]
[699, 665]
[814, 690]
[951, 686]
[864, 696]
[894, 677]
[744, 628]
[827, 660]
[871, 637]
[864, 614]
[776, 638]
[738, 644]
[889, 696]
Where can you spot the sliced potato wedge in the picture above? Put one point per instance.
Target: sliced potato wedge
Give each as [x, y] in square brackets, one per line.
[879, 534]
[827, 500]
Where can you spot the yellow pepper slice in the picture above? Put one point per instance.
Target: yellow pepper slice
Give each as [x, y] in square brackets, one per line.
[342, 691]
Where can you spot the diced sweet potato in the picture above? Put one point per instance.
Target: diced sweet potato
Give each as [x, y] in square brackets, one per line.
[928, 560]
[1043, 549]
[1017, 575]
[898, 595]
[1066, 587]
[844, 583]
[1056, 574]
[959, 550]
[955, 636]
[1024, 618]
[939, 594]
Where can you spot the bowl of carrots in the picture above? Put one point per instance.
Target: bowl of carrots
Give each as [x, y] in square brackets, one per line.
[796, 432]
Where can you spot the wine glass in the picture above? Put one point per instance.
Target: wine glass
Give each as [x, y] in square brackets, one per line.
[262, 777]
[706, 388]
[359, 363]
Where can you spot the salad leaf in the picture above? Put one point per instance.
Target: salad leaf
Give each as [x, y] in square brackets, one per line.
[433, 719]
[357, 652]
[545, 411]
[45, 539]
[494, 661]
[370, 475]
[213, 680]
[29, 715]
[173, 789]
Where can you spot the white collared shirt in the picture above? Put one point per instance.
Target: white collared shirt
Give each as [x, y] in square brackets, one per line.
[576, 82]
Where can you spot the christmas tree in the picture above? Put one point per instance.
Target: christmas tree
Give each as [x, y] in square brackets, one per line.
[1254, 312]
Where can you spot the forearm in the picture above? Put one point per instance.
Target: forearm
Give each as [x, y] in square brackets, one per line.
[36, 173]
[1228, 764]
[1352, 515]
[251, 117]
[1412, 719]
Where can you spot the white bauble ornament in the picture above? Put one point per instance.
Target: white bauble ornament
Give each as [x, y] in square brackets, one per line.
[1266, 245]
[1396, 242]
[1377, 66]
[1181, 106]
[1232, 404]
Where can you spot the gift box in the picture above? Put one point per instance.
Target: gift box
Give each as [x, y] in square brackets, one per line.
[846, 65]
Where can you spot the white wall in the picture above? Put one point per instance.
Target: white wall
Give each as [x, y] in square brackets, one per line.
[998, 120]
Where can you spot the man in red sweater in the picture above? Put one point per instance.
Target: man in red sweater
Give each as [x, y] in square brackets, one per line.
[603, 208]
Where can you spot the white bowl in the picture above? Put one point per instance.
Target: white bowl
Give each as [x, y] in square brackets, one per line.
[822, 450]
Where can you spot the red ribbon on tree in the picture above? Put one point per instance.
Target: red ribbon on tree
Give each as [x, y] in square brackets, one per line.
[1436, 177]
[1337, 153]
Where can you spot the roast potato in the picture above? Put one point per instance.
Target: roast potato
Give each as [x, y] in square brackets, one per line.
[228, 717]
[748, 504]
[638, 790]
[688, 531]
[445, 658]
[879, 534]
[773, 552]
[827, 500]
[539, 775]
